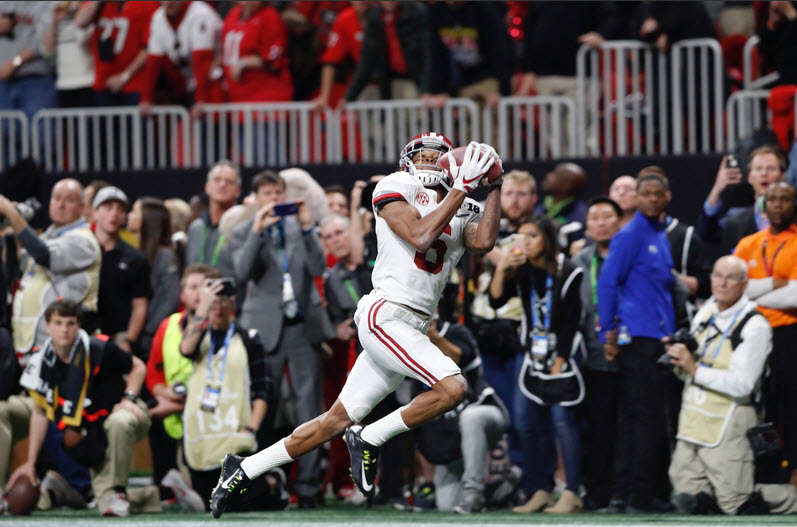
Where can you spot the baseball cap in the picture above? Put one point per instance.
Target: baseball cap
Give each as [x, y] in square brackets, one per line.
[109, 194]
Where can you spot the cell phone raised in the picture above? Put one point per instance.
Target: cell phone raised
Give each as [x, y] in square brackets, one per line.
[228, 287]
[286, 209]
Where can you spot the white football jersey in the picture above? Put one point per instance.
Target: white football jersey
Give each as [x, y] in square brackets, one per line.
[200, 29]
[402, 274]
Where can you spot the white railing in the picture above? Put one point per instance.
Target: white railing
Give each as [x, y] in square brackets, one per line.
[14, 137]
[261, 134]
[703, 72]
[111, 138]
[601, 102]
[747, 111]
[534, 128]
[380, 129]
[636, 95]
[752, 78]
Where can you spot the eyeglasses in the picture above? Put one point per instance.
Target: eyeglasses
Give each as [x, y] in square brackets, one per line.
[738, 278]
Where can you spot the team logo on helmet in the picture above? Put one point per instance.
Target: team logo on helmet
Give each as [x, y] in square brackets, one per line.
[421, 158]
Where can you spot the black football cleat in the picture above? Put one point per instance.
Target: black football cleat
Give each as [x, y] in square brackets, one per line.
[232, 481]
[363, 461]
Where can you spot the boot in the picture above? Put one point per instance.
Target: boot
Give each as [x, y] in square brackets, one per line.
[568, 503]
[539, 500]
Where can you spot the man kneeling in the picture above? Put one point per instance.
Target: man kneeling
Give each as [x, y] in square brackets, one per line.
[712, 468]
[76, 381]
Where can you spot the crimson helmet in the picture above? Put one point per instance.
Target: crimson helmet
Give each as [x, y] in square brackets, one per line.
[429, 173]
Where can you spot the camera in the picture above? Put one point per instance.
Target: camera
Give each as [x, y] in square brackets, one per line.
[27, 209]
[682, 336]
[228, 286]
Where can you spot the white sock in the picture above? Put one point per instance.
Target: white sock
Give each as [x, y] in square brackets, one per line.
[271, 457]
[386, 428]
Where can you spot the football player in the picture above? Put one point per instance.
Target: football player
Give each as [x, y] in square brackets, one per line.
[424, 222]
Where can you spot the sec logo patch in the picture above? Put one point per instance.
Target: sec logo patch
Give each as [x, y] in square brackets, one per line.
[422, 198]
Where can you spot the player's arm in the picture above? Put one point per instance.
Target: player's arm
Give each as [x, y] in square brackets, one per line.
[480, 237]
[37, 429]
[421, 232]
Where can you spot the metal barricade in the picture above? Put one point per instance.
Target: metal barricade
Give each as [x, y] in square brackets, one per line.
[752, 76]
[266, 134]
[630, 98]
[534, 128]
[376, 131]
[111, 138]
[747, 111]
[14, 138]
[703, 110]
[616, 110]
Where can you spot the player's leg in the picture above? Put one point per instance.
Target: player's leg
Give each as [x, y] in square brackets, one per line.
[367, 384]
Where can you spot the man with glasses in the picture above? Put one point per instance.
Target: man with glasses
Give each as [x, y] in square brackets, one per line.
[771, 255]
[712, 467]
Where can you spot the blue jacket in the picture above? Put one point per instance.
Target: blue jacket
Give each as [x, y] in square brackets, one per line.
[635, 283]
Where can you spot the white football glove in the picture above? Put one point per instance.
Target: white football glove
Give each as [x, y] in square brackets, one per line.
[491, 152]
[474, 165]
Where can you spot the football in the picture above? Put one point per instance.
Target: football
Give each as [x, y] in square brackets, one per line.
[458, 155]
[22, 497]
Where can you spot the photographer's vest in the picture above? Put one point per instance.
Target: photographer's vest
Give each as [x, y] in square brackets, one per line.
[39, 287]
[211, 435]
[176, 368]
[705, 413]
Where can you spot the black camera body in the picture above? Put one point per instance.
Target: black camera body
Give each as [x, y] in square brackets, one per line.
[682, 336]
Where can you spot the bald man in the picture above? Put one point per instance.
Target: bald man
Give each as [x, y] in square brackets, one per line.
[64, 261]
[712, 467]
[623, 192]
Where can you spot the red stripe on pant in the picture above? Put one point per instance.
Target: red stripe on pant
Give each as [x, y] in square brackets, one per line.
[383, 337]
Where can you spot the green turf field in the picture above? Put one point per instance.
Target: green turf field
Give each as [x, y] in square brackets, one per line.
[344, 515]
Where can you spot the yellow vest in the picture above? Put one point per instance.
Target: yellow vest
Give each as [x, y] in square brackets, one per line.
[176, 368]
[705, 413]
[209, 436]
[39, 288]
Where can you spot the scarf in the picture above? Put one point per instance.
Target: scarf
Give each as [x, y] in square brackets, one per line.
[62, 399]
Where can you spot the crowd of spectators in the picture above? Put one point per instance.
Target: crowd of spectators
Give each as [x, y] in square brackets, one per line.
[254, 297]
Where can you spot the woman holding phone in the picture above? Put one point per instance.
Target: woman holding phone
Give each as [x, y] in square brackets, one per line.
[548, 286]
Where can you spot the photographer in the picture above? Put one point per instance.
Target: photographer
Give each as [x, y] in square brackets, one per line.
[227, 390]
[712, 468]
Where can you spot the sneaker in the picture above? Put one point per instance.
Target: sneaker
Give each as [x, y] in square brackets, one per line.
[471, 501]
[117, 506]
[185, 495]
[363, 460]
[61, 492]
[615, 506]
[425, 498]
[232, 480]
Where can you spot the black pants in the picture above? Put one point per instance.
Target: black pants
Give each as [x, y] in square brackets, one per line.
[781, 397]
[645, 385]
[164, 453]
[605, 474]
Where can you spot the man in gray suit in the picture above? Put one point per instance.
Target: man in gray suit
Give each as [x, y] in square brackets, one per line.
[275, 259]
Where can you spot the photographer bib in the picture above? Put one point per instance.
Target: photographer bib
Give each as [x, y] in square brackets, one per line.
[705, 413]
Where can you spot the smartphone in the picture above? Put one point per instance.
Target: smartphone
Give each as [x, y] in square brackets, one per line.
[286, 209]
[228, 287]
[732, 161]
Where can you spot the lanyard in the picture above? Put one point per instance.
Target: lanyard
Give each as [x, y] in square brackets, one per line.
[351, 290]
[535, 299]
[216, 251]
[722, 340]
[593, 278]
[227, 338]
[75, 226]
[769, 267]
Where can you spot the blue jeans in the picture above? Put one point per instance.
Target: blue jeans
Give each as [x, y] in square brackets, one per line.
[501, 376]
[76, 475]
[536, 427]
[29, 95]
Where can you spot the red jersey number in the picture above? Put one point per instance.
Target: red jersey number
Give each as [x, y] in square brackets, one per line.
[432, 260]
